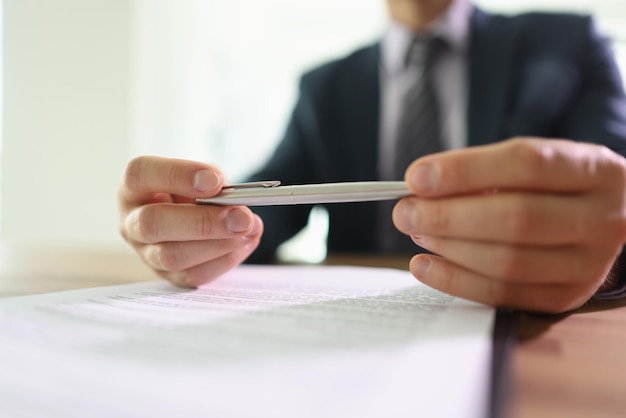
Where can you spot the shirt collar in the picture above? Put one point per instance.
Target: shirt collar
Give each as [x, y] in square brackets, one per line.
[452, 26]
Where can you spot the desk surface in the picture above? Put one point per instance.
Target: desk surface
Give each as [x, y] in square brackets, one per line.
[562, 366]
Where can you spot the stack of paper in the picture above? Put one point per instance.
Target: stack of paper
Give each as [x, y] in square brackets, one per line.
[308, 341]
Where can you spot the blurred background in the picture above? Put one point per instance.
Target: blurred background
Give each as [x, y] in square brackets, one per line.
[88, 84]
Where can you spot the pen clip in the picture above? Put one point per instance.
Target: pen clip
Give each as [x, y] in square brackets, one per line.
[253, 184]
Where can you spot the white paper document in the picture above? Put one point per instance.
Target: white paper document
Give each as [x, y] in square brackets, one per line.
[281, 341]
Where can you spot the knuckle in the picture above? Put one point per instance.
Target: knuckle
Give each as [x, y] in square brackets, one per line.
[532, 159]
[593, 160]
[175, 172]
[205, 224]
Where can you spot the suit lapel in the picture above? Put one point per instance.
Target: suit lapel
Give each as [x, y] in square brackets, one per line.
[491, 76]
[490, 60]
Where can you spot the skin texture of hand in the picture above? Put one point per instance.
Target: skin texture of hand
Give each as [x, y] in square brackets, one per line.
[527, 223]
[185, 243]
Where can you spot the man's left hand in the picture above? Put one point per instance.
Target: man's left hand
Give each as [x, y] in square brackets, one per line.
[528, 223]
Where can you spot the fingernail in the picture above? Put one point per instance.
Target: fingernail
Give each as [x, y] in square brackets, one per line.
[238, 220]
[181, 279]
[424, 177]
[187, 282]
[205, 180]
[255, 230]
[420, 266]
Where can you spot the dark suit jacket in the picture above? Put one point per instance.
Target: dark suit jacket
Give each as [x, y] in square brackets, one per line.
[538, 74]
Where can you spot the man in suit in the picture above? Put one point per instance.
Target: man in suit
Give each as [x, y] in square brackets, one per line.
[531, 223]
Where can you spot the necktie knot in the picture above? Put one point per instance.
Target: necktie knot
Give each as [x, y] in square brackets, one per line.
[424, 51]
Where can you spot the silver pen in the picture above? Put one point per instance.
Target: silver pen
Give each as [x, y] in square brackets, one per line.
[270, 193]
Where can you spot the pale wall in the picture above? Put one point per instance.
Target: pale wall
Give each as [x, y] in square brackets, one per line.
[66, 118]
[90, 83]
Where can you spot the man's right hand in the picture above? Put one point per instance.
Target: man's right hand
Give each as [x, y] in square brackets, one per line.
[185, 243]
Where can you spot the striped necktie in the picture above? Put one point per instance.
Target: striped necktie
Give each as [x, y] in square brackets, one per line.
[418, 134]
[419, 127]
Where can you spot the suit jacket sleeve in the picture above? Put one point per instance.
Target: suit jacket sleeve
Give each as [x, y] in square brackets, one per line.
[599, 111]
[332, 136]
[291, 163]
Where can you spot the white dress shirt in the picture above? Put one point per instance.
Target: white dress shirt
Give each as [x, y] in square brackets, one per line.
[449, 77]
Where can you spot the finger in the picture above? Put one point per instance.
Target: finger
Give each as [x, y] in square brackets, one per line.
[178, 256]
[448, 277]
[516, 218]
[154, 223]
[518, 264]
[519, 164]
[204, 273]
[145, 176]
